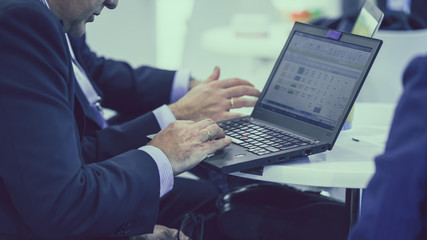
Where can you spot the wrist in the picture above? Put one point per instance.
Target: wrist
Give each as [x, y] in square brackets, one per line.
[177, 111]
[193, 82]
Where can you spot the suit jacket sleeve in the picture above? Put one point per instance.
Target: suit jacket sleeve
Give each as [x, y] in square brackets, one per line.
[100, 144]
[126, 90]
[46, 190]
[395, 204]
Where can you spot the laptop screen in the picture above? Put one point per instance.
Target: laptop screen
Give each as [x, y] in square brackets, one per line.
[315, 79]
[365, 25]
[368, 21]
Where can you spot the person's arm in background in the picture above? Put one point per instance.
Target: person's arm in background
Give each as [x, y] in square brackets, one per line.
[137, 91]
[394, 204]
[128, 91]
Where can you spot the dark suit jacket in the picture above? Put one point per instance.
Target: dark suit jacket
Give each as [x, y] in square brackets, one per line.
[47, 191]
[394, 205]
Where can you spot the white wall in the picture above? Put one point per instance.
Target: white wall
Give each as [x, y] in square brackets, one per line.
[172, 18]
[155, 31]
[142, 32]
[209, 14]
[127, 32]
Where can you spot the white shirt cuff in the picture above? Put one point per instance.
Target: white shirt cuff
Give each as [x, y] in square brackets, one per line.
[180, 85]
[164, 166]
[164, 116]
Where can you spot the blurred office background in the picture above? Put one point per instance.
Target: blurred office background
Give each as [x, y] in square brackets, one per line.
[243, 37]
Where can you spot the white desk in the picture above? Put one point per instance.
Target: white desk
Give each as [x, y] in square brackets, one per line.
[350, 164]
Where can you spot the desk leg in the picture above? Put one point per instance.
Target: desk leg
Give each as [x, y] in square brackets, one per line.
[352, 203]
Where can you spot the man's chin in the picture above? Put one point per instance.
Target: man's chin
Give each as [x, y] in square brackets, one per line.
[77, 31]
[90, 19]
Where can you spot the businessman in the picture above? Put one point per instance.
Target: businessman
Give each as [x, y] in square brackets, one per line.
[56, 180]
[394, 203]
[133, 92]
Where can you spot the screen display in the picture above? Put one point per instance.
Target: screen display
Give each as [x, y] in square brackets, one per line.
[315, 79]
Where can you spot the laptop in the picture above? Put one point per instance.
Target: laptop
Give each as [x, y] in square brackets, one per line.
[365, 23]
[368, 20]
[304, 103]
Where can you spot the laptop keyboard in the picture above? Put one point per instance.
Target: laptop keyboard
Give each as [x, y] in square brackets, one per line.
[259, 138]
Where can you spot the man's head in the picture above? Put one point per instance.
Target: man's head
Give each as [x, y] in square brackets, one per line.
[74, 14]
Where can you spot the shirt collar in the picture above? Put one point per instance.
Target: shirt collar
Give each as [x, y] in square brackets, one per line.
[45, 3]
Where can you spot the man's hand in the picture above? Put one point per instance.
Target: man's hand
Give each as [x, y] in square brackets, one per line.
[187, 143]
[214, 98]
[161, 233]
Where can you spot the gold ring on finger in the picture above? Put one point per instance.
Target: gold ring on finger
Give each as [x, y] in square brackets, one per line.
[209, 133]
